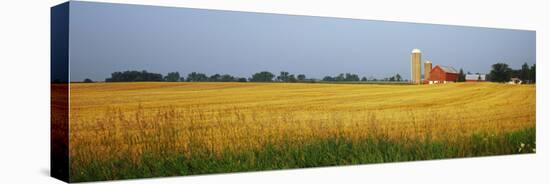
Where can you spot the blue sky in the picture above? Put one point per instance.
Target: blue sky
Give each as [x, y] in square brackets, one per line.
[114, 37]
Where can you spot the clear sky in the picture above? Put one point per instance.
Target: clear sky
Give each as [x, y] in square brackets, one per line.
[105, 38]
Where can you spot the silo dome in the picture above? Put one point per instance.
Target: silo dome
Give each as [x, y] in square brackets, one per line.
[428, 61]
[416, 51]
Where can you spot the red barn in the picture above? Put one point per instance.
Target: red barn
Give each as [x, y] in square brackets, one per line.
[442, 74]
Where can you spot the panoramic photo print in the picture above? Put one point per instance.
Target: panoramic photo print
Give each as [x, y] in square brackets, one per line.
[146, 91]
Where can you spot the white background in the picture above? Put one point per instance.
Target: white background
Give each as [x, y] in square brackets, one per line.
[24, 90]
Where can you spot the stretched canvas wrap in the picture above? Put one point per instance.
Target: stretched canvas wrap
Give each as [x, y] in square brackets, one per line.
[146, 91]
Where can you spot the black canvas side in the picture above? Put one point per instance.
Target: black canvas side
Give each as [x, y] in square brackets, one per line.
[59, 119]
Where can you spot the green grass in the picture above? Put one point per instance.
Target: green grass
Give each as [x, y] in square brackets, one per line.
[329, 152]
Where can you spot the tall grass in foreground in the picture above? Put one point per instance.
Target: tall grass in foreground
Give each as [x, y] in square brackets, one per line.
[324, 152]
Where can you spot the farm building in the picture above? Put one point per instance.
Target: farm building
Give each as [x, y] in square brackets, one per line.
[436, 75]
[515, 80]
[475, 78]
[441, 74]
[416, 57]
[427, 69]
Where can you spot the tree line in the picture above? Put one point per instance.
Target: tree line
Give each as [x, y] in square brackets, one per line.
[142, 76]
[263, 76]
[354, 77]
[501, 72]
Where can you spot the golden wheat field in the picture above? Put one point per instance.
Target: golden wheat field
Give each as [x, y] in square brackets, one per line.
[113, 120]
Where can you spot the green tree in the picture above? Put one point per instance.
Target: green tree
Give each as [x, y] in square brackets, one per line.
[500, 73]
[461, 76]
[292, 78]
[351, 77]
[283, 76]
[398, 77]
[533, 73]
[263, 76]
[134, 76]
[196, 77]
[227, 78]
[524, 72]
[215, 78]
[87, 80]
[301, 77]
[172, 77]
[364, 79]
[242, 79]
[328, 78]
[340, 77]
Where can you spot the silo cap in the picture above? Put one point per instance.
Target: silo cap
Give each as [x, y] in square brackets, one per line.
[416, 51]
[428, 61]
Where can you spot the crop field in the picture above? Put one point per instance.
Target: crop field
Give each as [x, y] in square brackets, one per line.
[133, 130]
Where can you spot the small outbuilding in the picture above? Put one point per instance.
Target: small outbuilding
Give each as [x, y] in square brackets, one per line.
[515, 80]
[475, 78]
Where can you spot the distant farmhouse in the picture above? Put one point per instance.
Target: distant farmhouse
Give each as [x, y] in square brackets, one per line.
[475, 78]
[436, 75]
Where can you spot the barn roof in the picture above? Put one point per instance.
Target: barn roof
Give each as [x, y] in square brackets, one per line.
[448, 69]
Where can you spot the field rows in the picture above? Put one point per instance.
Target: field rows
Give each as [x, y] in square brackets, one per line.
[110, 121]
